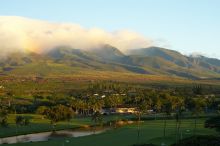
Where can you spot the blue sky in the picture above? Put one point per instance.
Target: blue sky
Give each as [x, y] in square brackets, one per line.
[183, 25]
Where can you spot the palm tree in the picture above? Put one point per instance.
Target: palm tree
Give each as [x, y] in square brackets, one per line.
[73, 104]
[78, 104]
[178, 105]
[198, 105]
[140, 110]
[113, 101]
[9, 97]
[167, 109]
[96, 104]
[144, 104]
[171, 103]
[97, 119]
[158, 106]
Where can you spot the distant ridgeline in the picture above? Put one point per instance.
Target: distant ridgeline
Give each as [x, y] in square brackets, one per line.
[146, 61]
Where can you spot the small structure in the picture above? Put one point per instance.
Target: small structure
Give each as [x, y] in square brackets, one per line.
[126, 110]
[119, 110]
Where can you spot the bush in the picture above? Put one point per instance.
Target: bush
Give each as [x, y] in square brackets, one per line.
[41, 110]
[22, 121]
[213, 122]
[4, 122]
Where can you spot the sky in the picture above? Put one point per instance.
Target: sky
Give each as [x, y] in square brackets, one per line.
[187, 26]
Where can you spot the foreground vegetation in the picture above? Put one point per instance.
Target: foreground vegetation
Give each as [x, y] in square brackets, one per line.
[40, 124]
[159, 115]
[151, 132]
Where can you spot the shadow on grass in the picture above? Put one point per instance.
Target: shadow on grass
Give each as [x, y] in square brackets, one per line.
[202, 140]
[143, 145]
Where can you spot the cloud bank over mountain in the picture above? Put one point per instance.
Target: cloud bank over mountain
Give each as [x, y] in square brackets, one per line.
[24, 34]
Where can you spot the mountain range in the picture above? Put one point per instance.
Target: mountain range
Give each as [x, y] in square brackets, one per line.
[150, 61]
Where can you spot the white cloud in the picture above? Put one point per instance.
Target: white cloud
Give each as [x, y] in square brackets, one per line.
[23, 34]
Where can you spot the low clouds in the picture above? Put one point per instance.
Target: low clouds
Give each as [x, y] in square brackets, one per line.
[23, 34]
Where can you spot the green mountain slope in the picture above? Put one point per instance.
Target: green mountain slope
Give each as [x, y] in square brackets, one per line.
[152, 60]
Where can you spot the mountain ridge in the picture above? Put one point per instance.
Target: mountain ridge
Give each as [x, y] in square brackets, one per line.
[152, 60]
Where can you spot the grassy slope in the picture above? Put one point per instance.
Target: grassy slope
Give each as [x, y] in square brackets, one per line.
[67, 61]
[24, 85]
[50, 68]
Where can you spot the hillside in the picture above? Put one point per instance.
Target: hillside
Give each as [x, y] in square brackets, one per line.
[150, 61]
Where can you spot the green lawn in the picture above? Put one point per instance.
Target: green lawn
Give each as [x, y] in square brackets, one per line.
[39, 124]
[151, 132]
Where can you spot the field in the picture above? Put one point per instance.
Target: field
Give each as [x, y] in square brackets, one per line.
[151, 132]
[53, 89]
[26, 86]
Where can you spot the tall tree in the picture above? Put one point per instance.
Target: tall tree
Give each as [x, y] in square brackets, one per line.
[143, 105]
[114, 101]
[96, 103]
[157, 106]
[179, 106]
[58, 113]
[97, 119]
[167, 109]
[198, 107]
[3, 116]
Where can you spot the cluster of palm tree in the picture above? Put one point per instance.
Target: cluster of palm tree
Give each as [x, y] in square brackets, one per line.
[88, 106]
[56, 113]
[170, 106]
[168, 103]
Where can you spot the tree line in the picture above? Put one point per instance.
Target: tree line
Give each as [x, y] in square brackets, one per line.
[91, 101]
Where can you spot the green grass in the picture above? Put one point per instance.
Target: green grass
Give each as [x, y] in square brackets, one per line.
[40, 124]
[37, 125]
[25, 86]
[151, 132]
